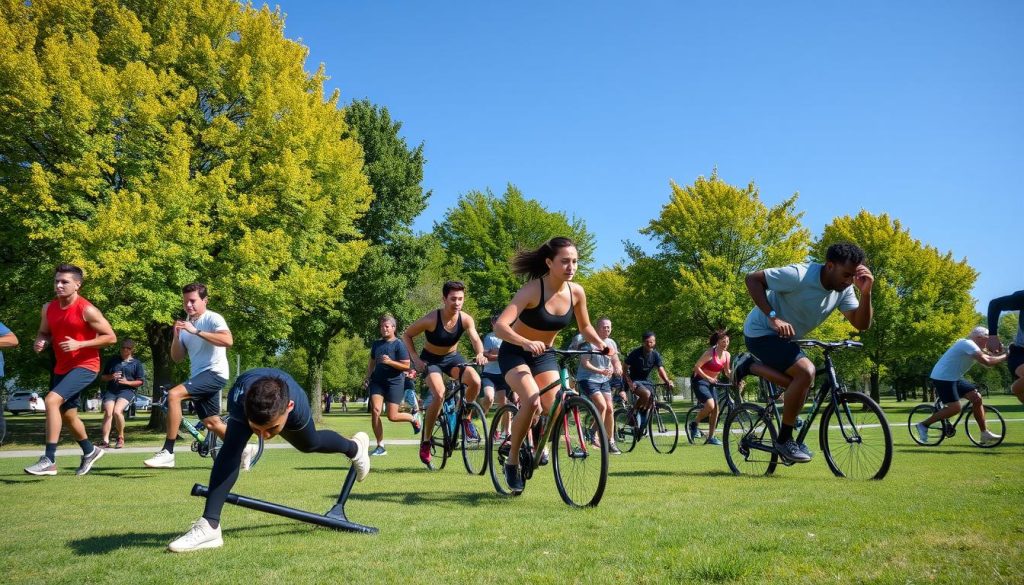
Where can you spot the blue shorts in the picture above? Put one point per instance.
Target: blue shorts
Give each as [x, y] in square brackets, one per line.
[204, 390]
[69, 386]
[496, 381]
[644, 384]
[774, 351]
[702, 389]
[589, 387]
[109, 396]
[950, 392]
[392, 390]
[442, 364]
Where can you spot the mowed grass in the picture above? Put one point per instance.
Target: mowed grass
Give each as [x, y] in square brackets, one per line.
[950, 514]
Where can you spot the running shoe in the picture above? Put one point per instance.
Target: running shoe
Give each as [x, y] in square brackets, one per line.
[425, 452]
[42, 467]
[164, 459]
[247, 454]
[614, 449]
[470, 429]
[417, 426]
[362, 459]
[713, 441]
[790, 451]
[120, 443]
[922, 432]
[694, 431]
[380, 451]
[514, 479]
[200, 536]
[88, 460]
[988, 436]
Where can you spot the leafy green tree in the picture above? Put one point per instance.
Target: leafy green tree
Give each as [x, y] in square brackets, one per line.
[157, 144]
[482, 232]
[922, 297]
[709, 236]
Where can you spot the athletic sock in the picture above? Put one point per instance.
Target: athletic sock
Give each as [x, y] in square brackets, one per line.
[86, 446]
[51, 451]
[213, 523]
[786, 433]
[169, 445]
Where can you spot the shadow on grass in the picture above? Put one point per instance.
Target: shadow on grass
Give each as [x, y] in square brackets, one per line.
[108, 543]
[453, 498]
[948, 451]
[20, 479]
[662, 473]
[373, 470]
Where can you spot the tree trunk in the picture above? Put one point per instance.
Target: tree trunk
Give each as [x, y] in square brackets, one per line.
[159, 336]
[315, 387]
[875, 393]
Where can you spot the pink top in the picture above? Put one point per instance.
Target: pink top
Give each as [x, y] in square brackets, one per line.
[714, 365]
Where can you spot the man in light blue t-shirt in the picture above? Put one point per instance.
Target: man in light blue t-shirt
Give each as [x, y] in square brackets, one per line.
[790, 302]
[7, 340]
[947, 376]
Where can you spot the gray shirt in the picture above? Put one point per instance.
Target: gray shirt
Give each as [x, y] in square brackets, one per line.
[600, 361]
[796, 295]
[956, 361]
[492, 341]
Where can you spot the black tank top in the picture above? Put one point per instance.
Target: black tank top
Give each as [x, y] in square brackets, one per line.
[440, 336]
[539, 318]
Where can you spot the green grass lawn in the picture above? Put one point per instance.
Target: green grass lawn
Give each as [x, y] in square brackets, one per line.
[950, 514]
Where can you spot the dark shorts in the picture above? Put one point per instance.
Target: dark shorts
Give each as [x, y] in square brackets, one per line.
[511, 356]
[496, 381]
[774, 351]
[950, 392]
[589, 387]
[702, 390]
[441, 364]
[644, 384]
[392, 390]
[70, 385]
[119, 395]
[204, 389]
[1015, 360]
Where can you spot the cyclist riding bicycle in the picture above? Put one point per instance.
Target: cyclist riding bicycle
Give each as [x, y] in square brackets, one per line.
[790, 302]
[639, 364]
[709, 367]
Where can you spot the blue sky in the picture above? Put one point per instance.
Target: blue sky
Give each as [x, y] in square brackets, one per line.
[915, 109]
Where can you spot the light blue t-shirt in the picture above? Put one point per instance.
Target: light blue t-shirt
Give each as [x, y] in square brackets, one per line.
[3, 331]
[956, 361]
[600, 361]
[796, 294]
[492, 341]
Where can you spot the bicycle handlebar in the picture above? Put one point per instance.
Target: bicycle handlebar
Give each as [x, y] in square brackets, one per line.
[576, 352]
[827, 344]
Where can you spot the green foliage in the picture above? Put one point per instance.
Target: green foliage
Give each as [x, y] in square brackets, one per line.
[343, 370]
[709, 236]
[482, 232]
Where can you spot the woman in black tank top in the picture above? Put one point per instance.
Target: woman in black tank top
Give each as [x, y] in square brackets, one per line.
[441, 331]
[529, 324]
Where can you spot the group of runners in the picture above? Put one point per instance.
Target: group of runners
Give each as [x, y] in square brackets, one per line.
[789, 303]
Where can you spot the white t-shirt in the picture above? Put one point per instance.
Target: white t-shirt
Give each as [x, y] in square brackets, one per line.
[796, 294]
[203, 355]
[492, 341]
[956, 361]
[599, 361]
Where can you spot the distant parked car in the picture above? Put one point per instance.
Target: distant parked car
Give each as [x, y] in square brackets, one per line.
[25, 401]
[143, 402]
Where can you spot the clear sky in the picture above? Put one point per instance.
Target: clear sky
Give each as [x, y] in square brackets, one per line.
[915, 109]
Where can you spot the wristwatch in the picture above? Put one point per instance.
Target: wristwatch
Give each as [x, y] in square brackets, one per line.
[772, 314]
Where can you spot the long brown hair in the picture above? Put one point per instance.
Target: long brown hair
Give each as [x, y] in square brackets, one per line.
[531, 263]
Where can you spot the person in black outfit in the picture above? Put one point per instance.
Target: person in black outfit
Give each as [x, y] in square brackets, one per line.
[1015, 359]
[124, 375]
[639, 364]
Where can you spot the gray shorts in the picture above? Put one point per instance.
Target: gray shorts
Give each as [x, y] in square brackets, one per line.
[204, 390]
[69, 386]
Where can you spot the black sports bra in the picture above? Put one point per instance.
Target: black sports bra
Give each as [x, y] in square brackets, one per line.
[539, 318]
[440, 336]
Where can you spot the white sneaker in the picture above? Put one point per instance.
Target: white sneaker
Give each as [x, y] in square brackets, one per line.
[922, 432]
[163, 459]
[988, 436]
[362, 459]
[201, 535]
[247, 455]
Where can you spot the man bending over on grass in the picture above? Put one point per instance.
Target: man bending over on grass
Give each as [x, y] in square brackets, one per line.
[1015, 355]
[269, 402]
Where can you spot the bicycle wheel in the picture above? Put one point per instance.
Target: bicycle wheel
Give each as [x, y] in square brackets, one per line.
[935, 431]
[498, 449]
[663, 427]
[855, 437]
[439, 437]
[624, 431]
[688, 420]
[996, 425]
[749, 447]
[581, 469]
[474, 448]
[589, 426]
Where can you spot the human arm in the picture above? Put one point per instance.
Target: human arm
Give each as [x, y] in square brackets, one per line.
[757, 287]
[698, 369]
[1011, 302]
[474, 340]
[104, 334]
[989, 360]
[177, 346]
[8, 339]
[665, 378]
[43, 335]
[220, 337]
[583, 321]
[409, 334]
[401, 360]
[861, 316]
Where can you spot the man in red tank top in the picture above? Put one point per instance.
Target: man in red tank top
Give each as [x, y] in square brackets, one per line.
[76, 330]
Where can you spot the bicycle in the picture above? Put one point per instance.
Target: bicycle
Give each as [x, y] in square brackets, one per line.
[726, 404]
[661, 425]
[449, 433]
[205, 442]
[580, 481]
[945, 429]
[854, 434]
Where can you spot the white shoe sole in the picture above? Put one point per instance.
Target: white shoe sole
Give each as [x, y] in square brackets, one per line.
[53, 472]
[208, 544]
[158, 465]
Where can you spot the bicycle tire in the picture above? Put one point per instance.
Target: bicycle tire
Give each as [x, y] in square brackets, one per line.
[691, 416]
[748, 425]
[498, 450]
[936, 432]
[625, 433]
[439, 441]
[996, 424]
[855, 437]
[580, 479]
[663, 428]
[474, 451]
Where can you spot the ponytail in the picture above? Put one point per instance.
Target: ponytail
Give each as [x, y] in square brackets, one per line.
[531, 263]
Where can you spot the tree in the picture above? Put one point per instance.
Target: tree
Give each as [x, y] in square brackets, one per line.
[709, 236]
[157, 144]
[482, 232]
[921, 296]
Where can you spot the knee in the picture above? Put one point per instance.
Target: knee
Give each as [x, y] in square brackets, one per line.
[53, 400]
[954, 407]
[711, 405]
[531, 405]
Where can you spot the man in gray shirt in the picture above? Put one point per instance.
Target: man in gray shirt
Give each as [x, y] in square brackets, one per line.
[593, 379]
[790, 302]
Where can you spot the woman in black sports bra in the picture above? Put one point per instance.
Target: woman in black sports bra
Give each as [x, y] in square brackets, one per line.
[529, 325]
[441, 331]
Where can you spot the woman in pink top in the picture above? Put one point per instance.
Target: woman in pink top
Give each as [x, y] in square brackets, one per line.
[711, 365]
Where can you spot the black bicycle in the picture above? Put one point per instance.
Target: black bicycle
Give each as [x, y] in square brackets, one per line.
[854, 434]
[205, 442]
[579, 463]
[452, 431]
[661, 425]
[726, 404]
[938, 431]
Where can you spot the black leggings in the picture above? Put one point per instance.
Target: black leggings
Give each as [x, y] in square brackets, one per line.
[229, 459]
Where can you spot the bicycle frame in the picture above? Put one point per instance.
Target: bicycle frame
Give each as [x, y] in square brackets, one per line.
[563, 389]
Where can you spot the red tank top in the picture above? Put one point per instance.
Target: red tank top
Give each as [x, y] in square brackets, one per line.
[713, 365]
[70, 322]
